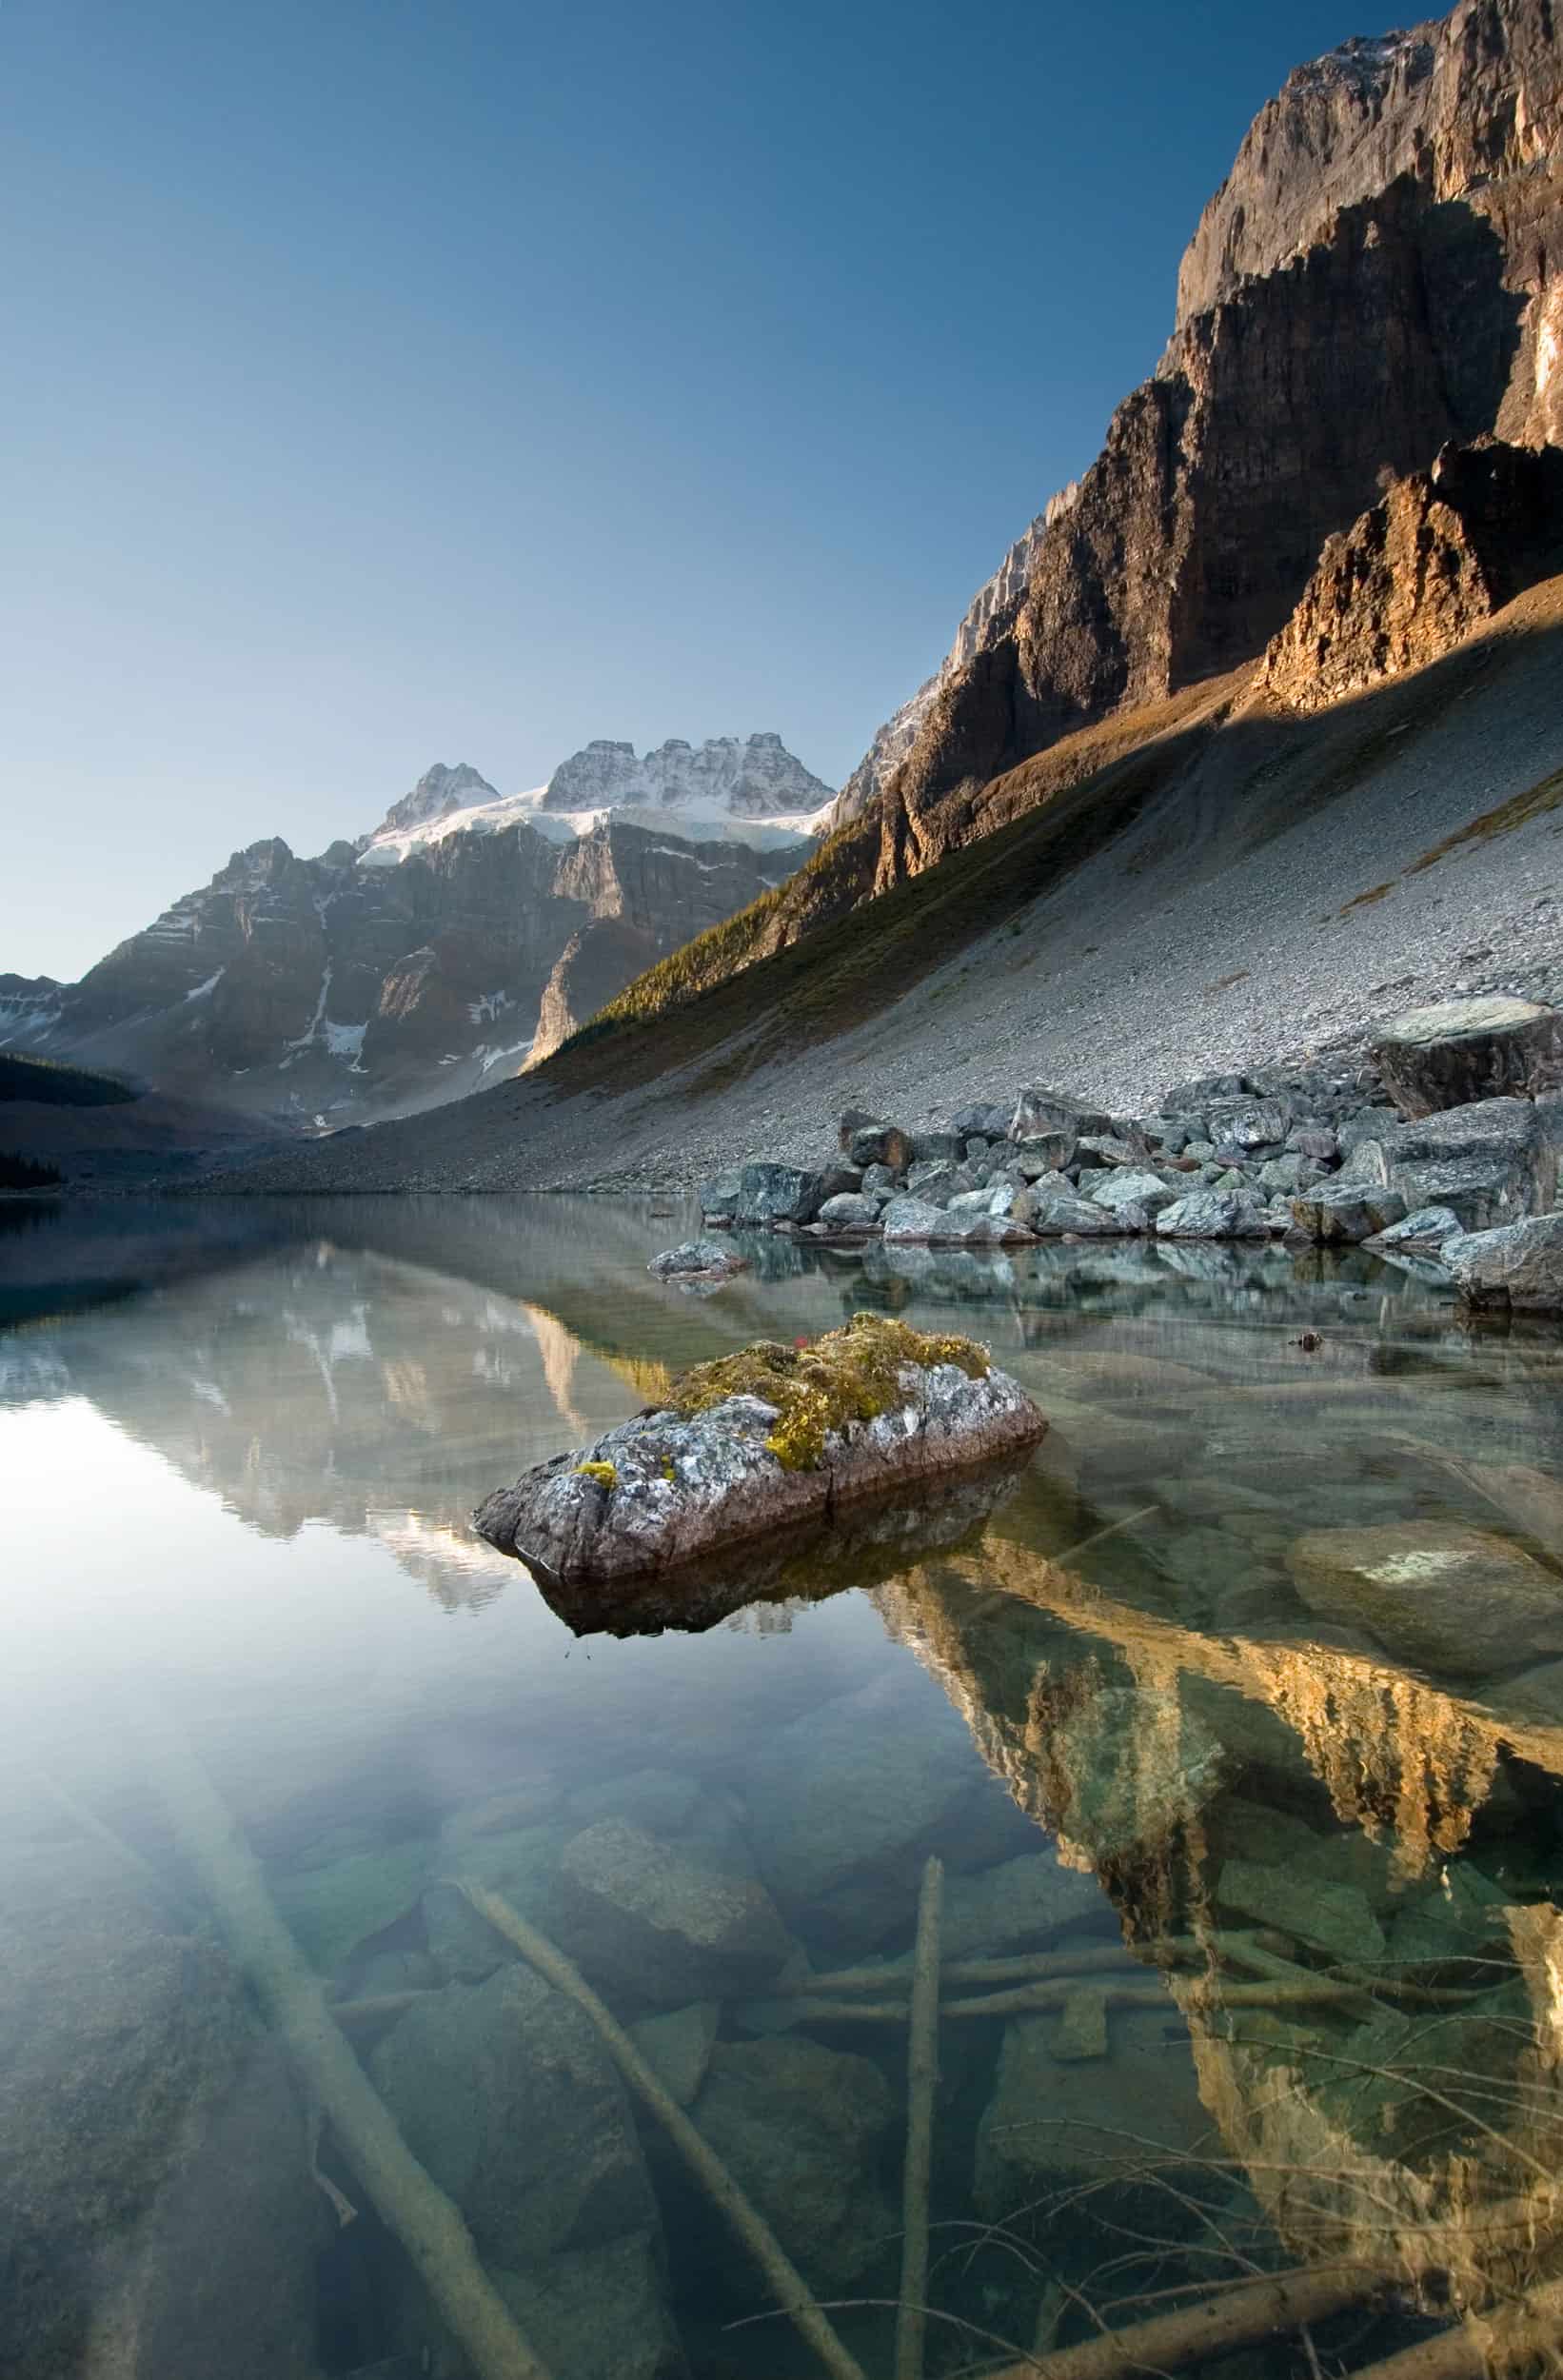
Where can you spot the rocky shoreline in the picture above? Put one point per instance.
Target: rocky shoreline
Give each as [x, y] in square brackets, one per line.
[1440, 1153]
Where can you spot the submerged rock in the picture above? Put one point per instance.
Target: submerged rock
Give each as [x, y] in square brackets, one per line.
[803, 2129]
[759, 1442]
[158, 2219]
[507, 2094]
[1454, 1599]
[644, 1917]
[1054, 2121]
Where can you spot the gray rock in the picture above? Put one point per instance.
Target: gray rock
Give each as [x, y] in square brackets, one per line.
[804, 2129]
[698, 1257]
[1042, 1111]
[1334, 1918]
[1043, 1153]
[987, 1118]
[1315, 1140]
[598, 2313]
[881, 1144]
[1458, 1601]
[141, 2110]
[1462, 1051]
[878, 1177]
[1135, 1186]
[507, 2094]
[778, 1194]
[910, 1219]
[1519, 1265]
[718, 1196]
[1494, 1162]
[1249, 1124]
[659, 1490]
[1020, 1901]
[1339, 1217]
[678, 2046]
[933, 1182]
[1210, 1214]
[645, 1919]
[937, 1148]
[1052, 2122]
[1428, 1228]
[853, 1210]
[852, 1790]
[1281, 1176]
[1057, 1213]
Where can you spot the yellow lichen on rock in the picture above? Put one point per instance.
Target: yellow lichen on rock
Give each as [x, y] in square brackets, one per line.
[604, 1474]
[849, 1375]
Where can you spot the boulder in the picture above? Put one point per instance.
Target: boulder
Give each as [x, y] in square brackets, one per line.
[804, 2130]
[507, 2095]
[157, 2212]
[1042, 1111]
[1429, 1227]
[719, 1195]
[1054, 2122]
[1130, 1185]
[1020, 1901]
[1058, 1212]
[1519, 1265]
[1494, 1163]
[852, 1210]
[1210, 1214]
[934, 1182]
[700, 1260]
[1456, 1601]
[880, 1144]
[1334, 1216]
[1462, 1051]
[853, 1791]
[598, 2313]
[938, 1148]
[1329, 1916]
[1249, 1124]
[1043, 1153]
[678, 2045]
[758, 1441]
[332, 1908]
[987, 1118]
[645, 1919]
[910, 1219]
[778, 1194]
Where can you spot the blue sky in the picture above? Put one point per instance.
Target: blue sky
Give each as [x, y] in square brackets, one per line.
[393, 383]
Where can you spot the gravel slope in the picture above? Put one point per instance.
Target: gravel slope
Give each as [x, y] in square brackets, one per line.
[1258, 910]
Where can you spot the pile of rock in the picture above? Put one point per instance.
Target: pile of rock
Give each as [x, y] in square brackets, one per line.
[1451, 1135]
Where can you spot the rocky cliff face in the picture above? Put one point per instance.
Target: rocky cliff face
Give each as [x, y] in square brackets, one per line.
[987, 609]
[1438, 554]
[407, 968]
[1382, 273]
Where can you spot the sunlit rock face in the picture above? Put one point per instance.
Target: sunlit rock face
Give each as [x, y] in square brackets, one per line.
[1407, 190]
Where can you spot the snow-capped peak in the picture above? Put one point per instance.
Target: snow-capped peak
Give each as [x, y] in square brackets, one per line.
[725, 791]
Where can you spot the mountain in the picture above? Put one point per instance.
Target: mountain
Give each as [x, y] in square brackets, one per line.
[1413, 185]
[467, 932]
[1255, 732]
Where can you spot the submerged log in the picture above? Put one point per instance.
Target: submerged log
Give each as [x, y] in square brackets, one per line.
[765, 1441]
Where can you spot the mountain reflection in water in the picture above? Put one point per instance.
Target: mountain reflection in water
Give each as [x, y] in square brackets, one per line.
[1250, 1825]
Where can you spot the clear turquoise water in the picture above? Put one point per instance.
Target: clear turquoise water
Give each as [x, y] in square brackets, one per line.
[1135, 1703]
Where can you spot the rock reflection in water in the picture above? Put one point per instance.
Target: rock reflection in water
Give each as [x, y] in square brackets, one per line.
[1394, 1840]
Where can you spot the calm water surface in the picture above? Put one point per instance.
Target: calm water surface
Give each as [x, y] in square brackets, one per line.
[1237, 1723]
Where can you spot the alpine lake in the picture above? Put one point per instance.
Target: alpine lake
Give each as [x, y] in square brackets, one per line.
[1225, 1734]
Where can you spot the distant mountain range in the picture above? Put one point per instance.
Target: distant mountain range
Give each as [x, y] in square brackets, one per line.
[468, 932]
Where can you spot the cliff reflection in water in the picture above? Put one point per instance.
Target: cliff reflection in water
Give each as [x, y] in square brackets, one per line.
[1371, 1851]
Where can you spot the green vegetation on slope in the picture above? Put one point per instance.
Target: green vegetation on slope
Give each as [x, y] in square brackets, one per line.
[49, 1084]
[866, 952]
